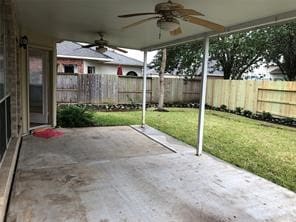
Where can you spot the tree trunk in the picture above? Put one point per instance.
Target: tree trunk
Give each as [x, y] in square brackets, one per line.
[161, 81]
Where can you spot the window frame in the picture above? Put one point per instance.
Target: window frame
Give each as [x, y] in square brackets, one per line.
[2, 32]
[68, 66]
[5, 103]
[91, 69]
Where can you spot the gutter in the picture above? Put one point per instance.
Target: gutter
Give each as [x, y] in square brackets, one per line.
[82, 57]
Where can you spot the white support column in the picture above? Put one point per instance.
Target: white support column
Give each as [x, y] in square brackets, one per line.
[144, 89]
[202, 99]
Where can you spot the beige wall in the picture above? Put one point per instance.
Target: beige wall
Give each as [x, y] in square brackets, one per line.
[102, 68]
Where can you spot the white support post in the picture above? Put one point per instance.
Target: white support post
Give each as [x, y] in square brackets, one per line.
[202, 99]
[144, 90]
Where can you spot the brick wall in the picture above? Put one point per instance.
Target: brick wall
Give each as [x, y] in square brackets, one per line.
[67, 61]
[12, 77]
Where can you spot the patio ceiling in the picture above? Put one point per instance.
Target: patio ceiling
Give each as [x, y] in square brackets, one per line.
[79, 20]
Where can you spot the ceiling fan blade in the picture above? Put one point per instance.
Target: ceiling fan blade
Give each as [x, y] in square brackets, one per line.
[137, 14]
[186, 12]
[175, 32]
[205, 23]
[89, 46]
[140, 22]
[116, 48]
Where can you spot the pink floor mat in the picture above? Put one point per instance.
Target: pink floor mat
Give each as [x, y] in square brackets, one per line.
[47, 133]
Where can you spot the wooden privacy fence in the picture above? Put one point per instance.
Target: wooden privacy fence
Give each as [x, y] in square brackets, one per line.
[111, 89]
[277, 98]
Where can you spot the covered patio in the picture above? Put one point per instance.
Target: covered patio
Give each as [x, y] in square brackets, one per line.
[117, 174]
[131, 174]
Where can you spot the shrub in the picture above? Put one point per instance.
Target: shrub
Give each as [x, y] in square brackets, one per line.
[75, 116]
[289, 121]
[223, 107]
[247, 113]
[266, 116]
[238, 110]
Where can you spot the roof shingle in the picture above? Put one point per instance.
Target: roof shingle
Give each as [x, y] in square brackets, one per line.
[72, 49]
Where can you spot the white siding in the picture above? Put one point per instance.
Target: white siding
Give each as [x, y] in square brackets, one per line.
[103, 68]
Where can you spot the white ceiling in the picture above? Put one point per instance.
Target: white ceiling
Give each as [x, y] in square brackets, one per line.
[79, 20]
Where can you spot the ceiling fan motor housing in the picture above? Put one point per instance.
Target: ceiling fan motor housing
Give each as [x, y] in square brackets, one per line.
[167, 7]
[101, 42]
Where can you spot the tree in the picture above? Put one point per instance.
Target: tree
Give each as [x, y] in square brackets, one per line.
[281, 48]
[234, 54]
[181, 60]
[238, 53]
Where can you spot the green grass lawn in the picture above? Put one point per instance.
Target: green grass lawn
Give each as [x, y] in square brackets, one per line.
[265, 149]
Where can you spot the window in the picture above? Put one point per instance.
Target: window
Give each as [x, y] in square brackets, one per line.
[91, 70]
[2, 61]
[132, 73]
[5, 116]
[69, 68]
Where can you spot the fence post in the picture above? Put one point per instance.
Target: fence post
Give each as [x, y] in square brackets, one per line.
[144, 89]
[202, 100]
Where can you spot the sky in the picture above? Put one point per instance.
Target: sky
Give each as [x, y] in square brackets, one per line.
[139, 55]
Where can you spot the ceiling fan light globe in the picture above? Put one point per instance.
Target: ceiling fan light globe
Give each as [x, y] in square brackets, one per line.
[168, 25]
[101, 49]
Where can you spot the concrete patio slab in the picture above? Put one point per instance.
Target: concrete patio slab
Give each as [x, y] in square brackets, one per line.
[86, 144]
[141, 181]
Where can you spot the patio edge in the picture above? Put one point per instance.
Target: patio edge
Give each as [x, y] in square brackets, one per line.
[7, 170]
[164, 139]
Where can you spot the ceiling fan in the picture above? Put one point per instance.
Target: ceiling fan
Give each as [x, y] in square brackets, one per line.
[102, 44]
[168, 15]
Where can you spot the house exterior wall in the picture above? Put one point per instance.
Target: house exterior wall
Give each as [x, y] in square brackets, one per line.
[100, 67]
[16, 69]
[277, 77]
[11, 67]
[67, 61]
[104, 68]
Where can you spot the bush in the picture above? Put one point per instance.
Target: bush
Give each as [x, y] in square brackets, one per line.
[247, 113]
[266, 116]
[223, 107]
[75, 116]
[238, 110]
[289, 121]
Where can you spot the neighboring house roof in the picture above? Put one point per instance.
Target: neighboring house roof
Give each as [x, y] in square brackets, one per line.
[122, 59]
[276, 71]
[67, 49]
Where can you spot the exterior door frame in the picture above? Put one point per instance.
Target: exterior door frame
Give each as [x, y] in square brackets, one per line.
[46, 88]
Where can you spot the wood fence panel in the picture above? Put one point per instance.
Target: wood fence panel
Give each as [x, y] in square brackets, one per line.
[67, 88]
[169, 90]
[191, 91]
[109, 89]
[240, 94]
[232, 95]
[210, 92]
[83, 92]
[277, 98]
[173, 90]
[250, 96]
[176, 90]
[226, 93]
[130, 90]
[154, 90]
